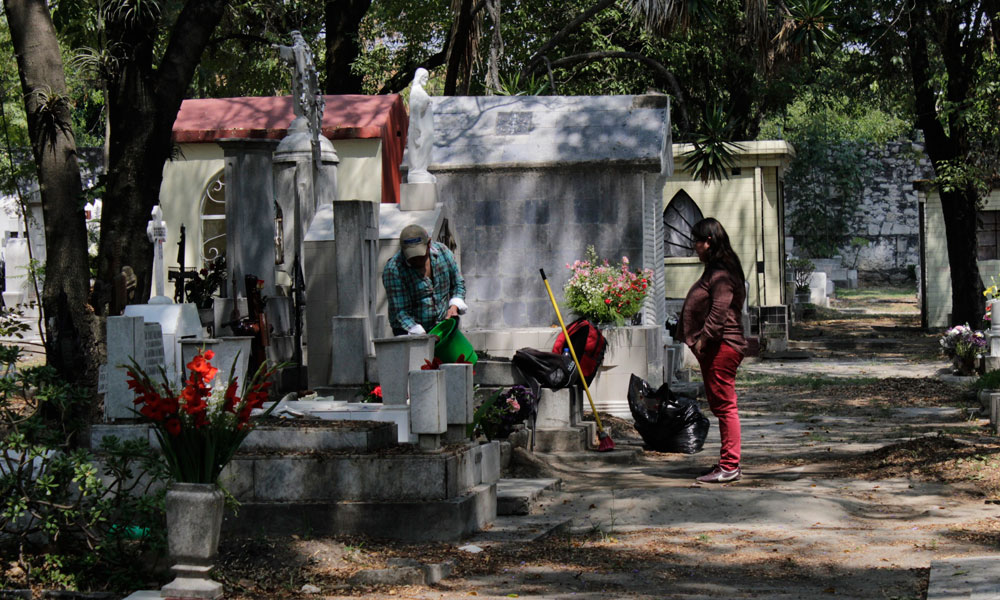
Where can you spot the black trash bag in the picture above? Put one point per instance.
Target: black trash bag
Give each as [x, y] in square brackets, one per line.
[667, 423]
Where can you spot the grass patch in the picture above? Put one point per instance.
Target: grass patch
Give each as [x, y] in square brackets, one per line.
[812, 382]
[905, 292]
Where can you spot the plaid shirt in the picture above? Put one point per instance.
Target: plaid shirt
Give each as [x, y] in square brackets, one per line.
[414, 298]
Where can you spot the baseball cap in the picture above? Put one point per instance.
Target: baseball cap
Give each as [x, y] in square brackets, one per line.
[413, 240]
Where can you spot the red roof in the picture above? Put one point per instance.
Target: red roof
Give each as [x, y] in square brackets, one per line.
[345, 117]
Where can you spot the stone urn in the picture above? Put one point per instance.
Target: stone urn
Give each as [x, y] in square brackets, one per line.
[194, 519]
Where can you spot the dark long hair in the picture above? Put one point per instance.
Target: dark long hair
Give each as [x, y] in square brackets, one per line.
[720, 251]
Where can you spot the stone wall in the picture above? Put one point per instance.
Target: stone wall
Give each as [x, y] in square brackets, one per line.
[513, 222]
[888, 214]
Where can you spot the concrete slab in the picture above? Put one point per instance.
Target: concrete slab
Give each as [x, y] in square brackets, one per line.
[299, 438]
[592, 458]
[519, 496]
[517, 529]
[974, 578]
[453, 519]
[568, 439]
[145, 595]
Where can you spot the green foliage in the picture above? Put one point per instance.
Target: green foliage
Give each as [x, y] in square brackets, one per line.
[515, 85]
[65, 512]
[990, 380]
[498, 415]
[802, 270]
[857, 244]
[713, 155]
[959, 175]
[397, 35]
[203, 285]
[825, 181]
[483, 413]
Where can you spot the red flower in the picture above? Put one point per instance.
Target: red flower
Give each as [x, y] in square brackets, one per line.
[173, 426]
[377, 391]
[231, 398]
[431, 366]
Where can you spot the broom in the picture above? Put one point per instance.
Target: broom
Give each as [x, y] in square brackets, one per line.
[604, 441]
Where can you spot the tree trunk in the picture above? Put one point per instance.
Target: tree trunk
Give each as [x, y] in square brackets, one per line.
[72, 328]
[959, 207]
[343, 19]
[461, 50]
[143, 104]
[967, 304]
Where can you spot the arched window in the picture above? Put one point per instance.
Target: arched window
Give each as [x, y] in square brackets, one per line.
[213, 219]
[678, 218]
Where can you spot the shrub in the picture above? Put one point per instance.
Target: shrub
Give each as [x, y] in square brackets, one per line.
[72, 518]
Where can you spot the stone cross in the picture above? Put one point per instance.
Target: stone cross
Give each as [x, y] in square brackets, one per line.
[156, 231]
[308, 103]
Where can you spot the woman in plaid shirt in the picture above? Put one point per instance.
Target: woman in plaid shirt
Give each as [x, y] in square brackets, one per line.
[422, 283]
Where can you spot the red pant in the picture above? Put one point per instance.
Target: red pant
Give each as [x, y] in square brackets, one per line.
[718, 369]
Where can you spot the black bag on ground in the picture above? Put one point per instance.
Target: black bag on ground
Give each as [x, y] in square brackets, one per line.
[667, 423]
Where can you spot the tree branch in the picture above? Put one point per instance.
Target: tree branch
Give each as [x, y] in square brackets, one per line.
[532, 64]
[191, 33]
[401, 79]
[683, 122]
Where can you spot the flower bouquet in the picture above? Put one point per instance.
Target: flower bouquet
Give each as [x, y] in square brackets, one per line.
[606, 293]
[201, 426]
[964, 345]
[497, 416]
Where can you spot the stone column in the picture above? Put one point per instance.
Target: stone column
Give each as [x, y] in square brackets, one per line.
[249, 211]
[460, 400]
[395, 357]
[428, 409]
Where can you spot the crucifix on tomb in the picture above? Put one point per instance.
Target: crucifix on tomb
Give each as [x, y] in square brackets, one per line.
[156, 231]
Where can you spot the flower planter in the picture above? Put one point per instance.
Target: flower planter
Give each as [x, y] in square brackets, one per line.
[194, 520]
[965, 366]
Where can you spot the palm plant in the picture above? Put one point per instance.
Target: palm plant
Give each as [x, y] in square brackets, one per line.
[781, 32]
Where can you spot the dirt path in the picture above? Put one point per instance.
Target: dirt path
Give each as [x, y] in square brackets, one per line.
[862, 466]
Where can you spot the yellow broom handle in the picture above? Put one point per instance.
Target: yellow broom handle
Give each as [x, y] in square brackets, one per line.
[572, 351]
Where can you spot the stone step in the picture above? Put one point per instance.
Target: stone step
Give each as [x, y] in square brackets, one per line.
[351, 436]
[520, 496]
[449, 519]
[965, 577]
[625, 455]
[517, 529]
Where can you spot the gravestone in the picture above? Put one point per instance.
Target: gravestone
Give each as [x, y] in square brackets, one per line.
[129, 338]
[232, 354]
[18, 288]
[176, 321]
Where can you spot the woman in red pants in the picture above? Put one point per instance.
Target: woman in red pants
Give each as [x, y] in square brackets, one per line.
[712, 326]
